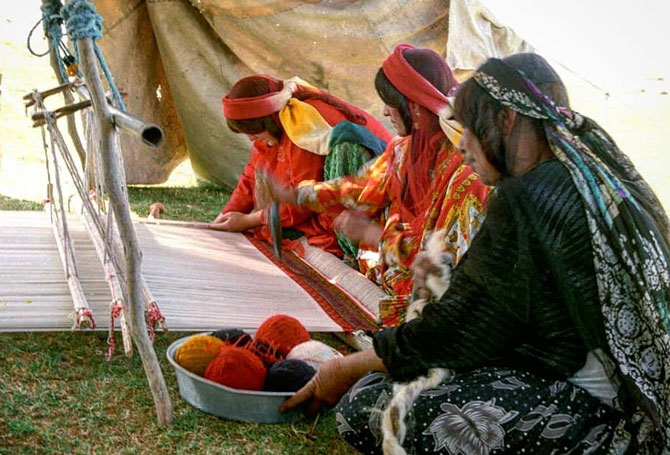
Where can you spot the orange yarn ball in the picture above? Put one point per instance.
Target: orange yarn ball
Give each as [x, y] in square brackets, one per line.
[282, 332]
[237, 368]
[197, 352]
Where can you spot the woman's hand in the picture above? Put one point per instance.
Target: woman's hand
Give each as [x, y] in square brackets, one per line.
[422, 267]
[235, 221]
[326, 388]
[332, 381]
[358, 227]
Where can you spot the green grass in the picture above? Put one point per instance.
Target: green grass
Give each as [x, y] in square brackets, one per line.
[8, 203]
[58, 395]
[199, 203]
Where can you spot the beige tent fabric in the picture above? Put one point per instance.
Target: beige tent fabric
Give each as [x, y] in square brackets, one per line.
[475, 35]
[206, 45]
[130, 50]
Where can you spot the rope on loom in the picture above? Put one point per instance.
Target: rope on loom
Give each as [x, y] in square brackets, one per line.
[83, 21]
[54, 133]
[51, 23]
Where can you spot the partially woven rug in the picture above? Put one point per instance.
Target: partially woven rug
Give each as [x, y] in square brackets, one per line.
[346, 296]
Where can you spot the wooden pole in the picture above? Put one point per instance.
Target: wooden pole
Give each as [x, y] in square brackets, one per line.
[111, 276]
[62, 236]
[69, 99]
[115, 188]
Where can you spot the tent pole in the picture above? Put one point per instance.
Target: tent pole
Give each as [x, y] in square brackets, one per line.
[115, 188]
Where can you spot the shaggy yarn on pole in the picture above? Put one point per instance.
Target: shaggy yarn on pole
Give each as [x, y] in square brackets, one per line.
[288, 376]
[237, 368]
[236, 337]
[197, 352]
[313, 353]
[282, 332]
[82, 21]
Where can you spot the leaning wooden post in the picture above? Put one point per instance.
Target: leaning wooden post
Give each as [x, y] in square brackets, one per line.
[69, 99]
[114, 186]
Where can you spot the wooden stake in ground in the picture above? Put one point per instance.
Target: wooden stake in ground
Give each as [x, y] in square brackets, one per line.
[115, 188]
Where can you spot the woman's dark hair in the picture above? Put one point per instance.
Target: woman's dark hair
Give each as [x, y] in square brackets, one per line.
[477, 111]
[483, 116]
[393, 98]
[256, 126]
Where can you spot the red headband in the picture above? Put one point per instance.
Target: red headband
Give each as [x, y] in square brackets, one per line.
[412, 84]
[257, 106]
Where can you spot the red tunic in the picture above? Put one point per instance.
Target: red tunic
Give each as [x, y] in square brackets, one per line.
[290, 165]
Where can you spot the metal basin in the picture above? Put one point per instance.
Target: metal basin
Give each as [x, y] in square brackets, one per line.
[222, 401]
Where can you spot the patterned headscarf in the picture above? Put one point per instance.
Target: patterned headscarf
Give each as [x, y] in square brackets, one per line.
[629, 248]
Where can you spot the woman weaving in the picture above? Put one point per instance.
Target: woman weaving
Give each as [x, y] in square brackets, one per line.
[290, 124]
[420, 184]
[555, 326]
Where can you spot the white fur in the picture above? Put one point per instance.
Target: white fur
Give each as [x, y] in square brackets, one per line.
[404, 396]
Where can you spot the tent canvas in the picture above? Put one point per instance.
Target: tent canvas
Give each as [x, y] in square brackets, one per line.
[178, 58]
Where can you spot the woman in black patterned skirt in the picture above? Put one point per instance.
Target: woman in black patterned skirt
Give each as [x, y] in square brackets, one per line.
[553, 335]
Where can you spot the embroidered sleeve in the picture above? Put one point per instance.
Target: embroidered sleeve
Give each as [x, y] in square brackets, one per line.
[365, 191]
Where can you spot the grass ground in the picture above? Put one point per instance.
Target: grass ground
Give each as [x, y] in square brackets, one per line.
[59, 396]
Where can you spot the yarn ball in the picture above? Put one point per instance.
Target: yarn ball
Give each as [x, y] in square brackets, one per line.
[196, 353]
[235, 337]
[282, 332]
[265, 352]
[238, 368]
[313, 353]
[288, 376]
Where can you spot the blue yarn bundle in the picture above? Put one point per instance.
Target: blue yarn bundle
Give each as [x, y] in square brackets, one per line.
[288, 376]
[51, 23]
[82, 21]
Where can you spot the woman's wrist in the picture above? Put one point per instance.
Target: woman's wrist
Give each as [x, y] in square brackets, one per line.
[253, 219]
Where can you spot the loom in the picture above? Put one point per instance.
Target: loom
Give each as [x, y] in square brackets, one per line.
[85, 263]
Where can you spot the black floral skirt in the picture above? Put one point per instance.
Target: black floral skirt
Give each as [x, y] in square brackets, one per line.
[490, 410]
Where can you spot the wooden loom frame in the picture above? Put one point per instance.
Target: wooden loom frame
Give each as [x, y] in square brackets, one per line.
[131, 287]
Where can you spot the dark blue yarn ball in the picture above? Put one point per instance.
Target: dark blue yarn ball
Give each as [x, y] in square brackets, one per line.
[288, 376]
[235, 337]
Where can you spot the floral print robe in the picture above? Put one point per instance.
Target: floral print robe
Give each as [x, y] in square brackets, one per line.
[456, 208]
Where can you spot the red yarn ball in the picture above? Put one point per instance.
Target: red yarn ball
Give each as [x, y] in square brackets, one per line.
[237, 368]
[282, 332]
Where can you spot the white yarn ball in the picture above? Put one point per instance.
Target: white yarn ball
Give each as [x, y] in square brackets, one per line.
[313, 353]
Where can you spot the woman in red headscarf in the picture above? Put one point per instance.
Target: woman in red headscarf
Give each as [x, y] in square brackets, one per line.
[290, 124]
[419, 185]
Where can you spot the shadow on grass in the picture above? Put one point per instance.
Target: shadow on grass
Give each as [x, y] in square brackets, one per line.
[8, 203]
